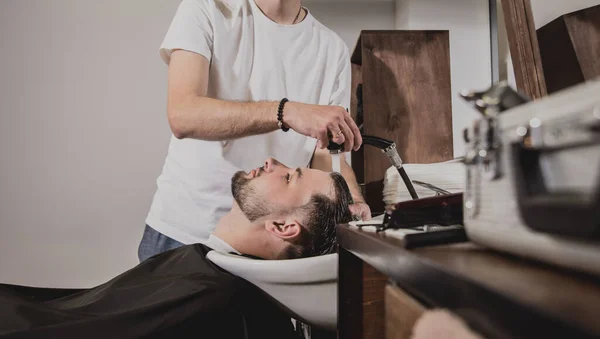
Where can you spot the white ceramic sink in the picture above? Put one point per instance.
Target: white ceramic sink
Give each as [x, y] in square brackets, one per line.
[306, 288]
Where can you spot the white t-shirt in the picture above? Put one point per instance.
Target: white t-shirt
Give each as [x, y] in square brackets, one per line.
[252, 58]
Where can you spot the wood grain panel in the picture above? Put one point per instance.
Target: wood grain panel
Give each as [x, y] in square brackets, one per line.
[356, 80]
[350, 295]
[373, 303]
[524, 48]
[401, 313]
[570, 49]
[360, 299]
[584, 27]
[407, 99]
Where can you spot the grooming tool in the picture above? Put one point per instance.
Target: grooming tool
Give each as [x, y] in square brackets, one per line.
[449, 235]
[418, 236]
[429, 221]
[437, 190]
[444, 210]
[533, 175]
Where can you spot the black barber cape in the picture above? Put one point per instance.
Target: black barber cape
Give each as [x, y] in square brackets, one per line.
[176, 294]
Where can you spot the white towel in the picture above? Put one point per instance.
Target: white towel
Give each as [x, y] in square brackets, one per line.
[449, 176]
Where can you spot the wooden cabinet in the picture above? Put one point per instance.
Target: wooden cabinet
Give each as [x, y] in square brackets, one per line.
[406, 98]
[570, 49]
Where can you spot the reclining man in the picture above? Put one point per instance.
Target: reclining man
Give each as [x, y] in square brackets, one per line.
[278, 213]
[283, 213]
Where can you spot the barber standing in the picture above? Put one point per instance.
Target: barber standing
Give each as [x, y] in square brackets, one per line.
[248, 80]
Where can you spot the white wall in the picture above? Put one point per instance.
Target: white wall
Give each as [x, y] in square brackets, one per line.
[468, 23]
[348, 18]
[83, 134]
[83, 130]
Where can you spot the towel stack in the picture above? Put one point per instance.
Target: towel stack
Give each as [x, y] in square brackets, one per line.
[449, 176]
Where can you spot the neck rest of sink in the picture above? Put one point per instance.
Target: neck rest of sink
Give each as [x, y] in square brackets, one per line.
[306, 288]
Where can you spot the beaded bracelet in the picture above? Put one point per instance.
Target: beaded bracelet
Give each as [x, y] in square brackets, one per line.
[280, 115]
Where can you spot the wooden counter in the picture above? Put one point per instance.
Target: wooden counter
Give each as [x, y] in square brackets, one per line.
[498, 295]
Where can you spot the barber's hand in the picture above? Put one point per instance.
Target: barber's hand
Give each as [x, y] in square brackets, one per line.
[362, 210]
[319, 121]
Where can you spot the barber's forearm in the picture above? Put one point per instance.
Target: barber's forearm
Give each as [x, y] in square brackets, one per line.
[350, 177]
[205, 118]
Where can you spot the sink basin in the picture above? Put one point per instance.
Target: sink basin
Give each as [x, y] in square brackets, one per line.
[306, 288]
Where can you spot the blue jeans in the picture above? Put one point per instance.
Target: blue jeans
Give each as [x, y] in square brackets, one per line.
[154, 242]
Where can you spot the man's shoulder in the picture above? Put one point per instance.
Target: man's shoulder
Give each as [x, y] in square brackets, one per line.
[331, 38]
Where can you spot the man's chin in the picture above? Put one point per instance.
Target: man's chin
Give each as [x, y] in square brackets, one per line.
[240, 174]
[238, 181]
[239, 186]
[252, 205]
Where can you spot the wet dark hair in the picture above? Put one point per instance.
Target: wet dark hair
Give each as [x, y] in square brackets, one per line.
[323, 214]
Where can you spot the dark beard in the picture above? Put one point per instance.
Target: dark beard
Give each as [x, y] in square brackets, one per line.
[252, 205]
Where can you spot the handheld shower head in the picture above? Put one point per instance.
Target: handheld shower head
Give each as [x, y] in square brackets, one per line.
[386, 146]
[389, 148]
[380, 143]
[334, 148]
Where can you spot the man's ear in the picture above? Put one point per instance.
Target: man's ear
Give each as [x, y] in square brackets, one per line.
[286, 229]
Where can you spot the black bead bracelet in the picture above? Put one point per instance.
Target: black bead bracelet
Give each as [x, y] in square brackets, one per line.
[280, 115]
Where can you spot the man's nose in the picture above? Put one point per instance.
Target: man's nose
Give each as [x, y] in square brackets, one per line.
[271, 164]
